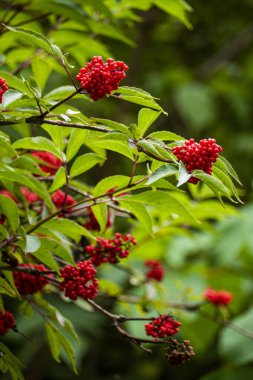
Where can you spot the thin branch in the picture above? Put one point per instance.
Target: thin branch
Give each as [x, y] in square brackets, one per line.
[77, 91]
[133, 168]
[76, 125]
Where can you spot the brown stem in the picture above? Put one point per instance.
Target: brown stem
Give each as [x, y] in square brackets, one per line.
[75, 125]
[61, 102]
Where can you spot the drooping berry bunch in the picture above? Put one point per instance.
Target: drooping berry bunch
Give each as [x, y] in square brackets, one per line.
[79, 281]
[162, 326]
[155, 270]
[58, 198]
[3, 88]
[93, 225]
[111, 250]
[7, 322]
[99, 78]
[50, 164]
[218, 297]
[199, 155]
[179, 353]
[29, 283]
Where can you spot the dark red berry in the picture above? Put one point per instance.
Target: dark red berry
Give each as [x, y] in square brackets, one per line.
[30, 196]
[3, 88]
[99, 78]
[58, 198]
[29, 283]
[79, 281]
[179, 353]
[7, 322]
[50, 163]
[155, 270]
[199, 155]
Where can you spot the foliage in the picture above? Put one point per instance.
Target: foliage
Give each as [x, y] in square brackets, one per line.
[53, 208]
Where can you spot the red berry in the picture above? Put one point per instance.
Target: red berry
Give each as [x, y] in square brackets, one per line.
[58, 198]
[199, 155]
[50, 164]
[218, 297]
[162, 326]
[3, 88]
[8, 194]
[99, 78]
[155, 270]
[29, 195]
[93, 225]
[28, 283]
[79, 281]
[7, 322]
[111, 250]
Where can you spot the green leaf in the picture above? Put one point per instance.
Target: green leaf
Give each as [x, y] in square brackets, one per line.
[100, 212]
[41, 70]
[5, 288]
[76, 140]
[84, 163]
[59, 93]
[213, 183]
[164, 201]
[59, 179]
[115, 126]
[37, 143]
[230, 169]
[56, 133]
[27, 163]
[12, 362]
[9, 208]
[108, 183]
[176, 8]
[166, 136]
[68, 227]
[5, 144]
[46, 257]
[146, 117]
[134, 91]
[183, 175]
[225, 179]
[26, 309]
[140, 212]
[57, 248]
[13, 81]
[114, 145]
[142, 101]
[32, 244]
[162, 172]
[9, 97]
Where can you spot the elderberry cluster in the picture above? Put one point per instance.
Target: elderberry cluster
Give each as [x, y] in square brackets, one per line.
[58, 198]
[50, 163]
[218, 297]
[3, 88]
[29, 283]
[7, 322]
[111, 250]
[79, 281]
[179, 353]
[99, 78]
[199, 155]
[162, 326]
[155, 270]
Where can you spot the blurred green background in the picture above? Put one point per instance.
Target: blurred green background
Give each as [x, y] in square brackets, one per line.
[203, 76]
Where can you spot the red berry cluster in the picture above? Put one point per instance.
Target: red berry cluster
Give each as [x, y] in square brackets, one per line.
[28, 283]
[58, 199]
[8, 194]
[99, 78]
[93, 225]
[155, 270]
[29, 195]
[7, 322]
[3, 88]
[199, 155]
[162, 326]
[111, 250]
[218, 297]
[79, 281]
[52, 163]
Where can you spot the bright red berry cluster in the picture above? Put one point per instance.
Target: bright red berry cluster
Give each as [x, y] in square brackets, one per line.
[199, 155]
[99, 78]
[155, 270]
[52, 163]
[162, 326]
[79, 281]
[111, 250]
[7, 322]
[3, 88]
[218, 297]
[58, 198]
[28, 283]
[30, 196]
[93, 225]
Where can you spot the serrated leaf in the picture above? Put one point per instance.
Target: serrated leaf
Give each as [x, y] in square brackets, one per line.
[183, 175]
[68, 227]
[84, 163]
[162, 172]
[37, 143]
[166, 136]
[114, 125]
[9, 208]
[230, 169]
[57, 248]
[116, 146]
[59, 179]
[13, 80]
[76, 140]
[4, 144]
[9, 97]
[213, 183]
[223, 177]
[54, 342]
[100, 213]
[32, 244]
[142, 101]
[140, 212]
[146, 117]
